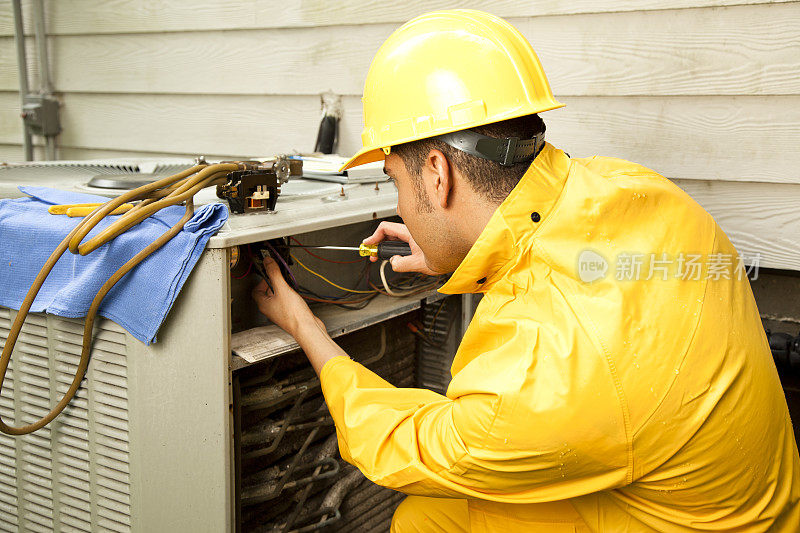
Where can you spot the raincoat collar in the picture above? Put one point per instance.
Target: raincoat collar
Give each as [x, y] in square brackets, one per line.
[512, 225]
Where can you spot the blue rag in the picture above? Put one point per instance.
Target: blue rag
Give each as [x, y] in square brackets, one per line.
[140, 301]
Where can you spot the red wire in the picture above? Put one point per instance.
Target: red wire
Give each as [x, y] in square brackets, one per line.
[249, 268]
[324, 259]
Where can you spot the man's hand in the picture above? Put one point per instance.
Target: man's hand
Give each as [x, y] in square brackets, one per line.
[393, 231]
[287, 309]
[284, 306]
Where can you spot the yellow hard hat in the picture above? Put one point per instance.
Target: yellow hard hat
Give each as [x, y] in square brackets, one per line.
[447, 71]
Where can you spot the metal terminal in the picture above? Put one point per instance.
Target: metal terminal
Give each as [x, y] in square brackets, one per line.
[282, 170]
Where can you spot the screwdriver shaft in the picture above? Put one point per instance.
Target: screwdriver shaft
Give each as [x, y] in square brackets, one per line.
[382, 250]
[349, 248]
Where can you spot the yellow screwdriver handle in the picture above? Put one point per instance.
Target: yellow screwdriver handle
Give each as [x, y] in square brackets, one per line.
[385, 249]
[62, 208]
[366, 250]
[82, 210]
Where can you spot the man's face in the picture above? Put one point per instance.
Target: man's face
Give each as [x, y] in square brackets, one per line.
[426, 221]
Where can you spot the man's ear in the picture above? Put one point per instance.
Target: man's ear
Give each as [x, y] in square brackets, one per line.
[441, 178]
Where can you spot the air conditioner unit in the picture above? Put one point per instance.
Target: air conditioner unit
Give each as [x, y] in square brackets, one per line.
[188, 435]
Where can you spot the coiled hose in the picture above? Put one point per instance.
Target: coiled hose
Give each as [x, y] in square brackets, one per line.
[162, 193]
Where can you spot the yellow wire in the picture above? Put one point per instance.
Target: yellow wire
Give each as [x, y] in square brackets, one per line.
[323, 278]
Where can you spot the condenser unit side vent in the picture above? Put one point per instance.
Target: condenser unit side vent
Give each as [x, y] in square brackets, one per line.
[74, 473]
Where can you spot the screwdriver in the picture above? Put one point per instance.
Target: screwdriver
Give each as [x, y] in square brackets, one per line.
[382, 250]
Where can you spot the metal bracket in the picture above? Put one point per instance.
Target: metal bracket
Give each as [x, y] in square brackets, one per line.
[507, 158]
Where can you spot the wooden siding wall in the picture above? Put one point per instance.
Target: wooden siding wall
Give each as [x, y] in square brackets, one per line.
[707, 92]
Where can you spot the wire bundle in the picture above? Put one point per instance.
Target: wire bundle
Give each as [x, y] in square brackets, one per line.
[405, 285]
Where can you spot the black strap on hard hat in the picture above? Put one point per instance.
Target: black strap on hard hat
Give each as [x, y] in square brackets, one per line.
[506, 151]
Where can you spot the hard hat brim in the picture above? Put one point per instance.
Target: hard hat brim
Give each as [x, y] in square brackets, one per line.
[362, 157]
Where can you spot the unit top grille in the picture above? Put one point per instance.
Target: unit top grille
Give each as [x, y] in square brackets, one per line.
[90, 168]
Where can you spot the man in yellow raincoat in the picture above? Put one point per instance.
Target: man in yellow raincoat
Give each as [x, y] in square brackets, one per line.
[615, 377]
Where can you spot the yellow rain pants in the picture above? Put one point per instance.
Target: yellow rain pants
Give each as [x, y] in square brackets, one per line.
[616, 364]
[451, 515]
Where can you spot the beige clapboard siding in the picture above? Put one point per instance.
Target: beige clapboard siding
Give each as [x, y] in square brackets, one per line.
[10, 153]
[13, 153]
[743, 138]
[9, 71]
[208, 124]
[705, 137]
[759, 218]
[136, 16]
[10, 121]
[731, 50]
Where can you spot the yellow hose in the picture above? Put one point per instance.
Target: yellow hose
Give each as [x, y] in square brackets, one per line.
[154, 196]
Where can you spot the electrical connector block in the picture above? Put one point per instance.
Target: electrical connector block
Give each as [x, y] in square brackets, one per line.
[256, 188]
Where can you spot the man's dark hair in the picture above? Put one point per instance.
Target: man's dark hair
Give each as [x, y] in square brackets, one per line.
[489, 178]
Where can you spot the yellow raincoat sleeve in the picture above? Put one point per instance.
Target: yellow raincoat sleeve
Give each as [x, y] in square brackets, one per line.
[481, 443]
